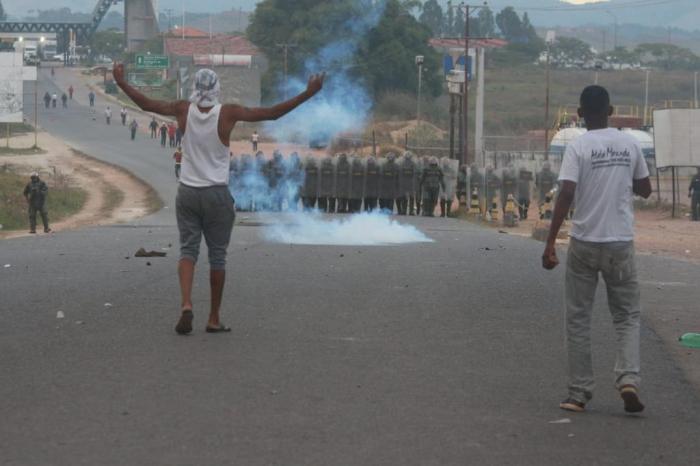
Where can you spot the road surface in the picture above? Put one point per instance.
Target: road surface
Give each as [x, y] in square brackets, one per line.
[447, 353]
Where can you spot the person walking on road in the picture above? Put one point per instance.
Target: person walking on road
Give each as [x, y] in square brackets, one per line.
[163, 134]
[254, 140]
[54, 99]
[64, 100]
[171, 134]
[133, 126]
[601, 170]
[108, 115]
[35, 193]
[153, 126]
[91, 98]
[47, 99]
[178, 137]
[70, 92]
[177, 156]
[123, 114]
[204, 205]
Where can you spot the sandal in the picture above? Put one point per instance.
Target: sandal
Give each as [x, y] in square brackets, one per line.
[220, 329]
[184, 325]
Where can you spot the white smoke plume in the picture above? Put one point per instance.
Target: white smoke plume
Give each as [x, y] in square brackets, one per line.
[345, 103]
[366, 229]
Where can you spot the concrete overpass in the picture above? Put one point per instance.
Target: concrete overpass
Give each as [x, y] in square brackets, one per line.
[141, 24]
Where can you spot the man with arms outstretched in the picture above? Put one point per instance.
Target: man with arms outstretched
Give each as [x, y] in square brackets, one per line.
[601, 170]
[204, 205]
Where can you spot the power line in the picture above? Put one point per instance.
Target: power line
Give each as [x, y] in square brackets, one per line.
[598, 6]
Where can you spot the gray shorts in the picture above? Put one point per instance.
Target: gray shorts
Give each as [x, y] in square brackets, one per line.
[209, 211]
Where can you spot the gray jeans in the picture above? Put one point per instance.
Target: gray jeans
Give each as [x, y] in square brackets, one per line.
[208, 211]
[615, 261]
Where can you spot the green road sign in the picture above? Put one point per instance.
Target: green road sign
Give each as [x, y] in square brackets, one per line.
[152, 62]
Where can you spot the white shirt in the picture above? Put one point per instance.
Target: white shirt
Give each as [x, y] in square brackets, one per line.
[205, 160]
[603, 163]
[255, 137]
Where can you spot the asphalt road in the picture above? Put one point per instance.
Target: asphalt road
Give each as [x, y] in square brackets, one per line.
[444, 353]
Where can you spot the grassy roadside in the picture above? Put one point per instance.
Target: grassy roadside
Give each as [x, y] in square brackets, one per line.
[63, 200]
[114, 197]
[10, 151]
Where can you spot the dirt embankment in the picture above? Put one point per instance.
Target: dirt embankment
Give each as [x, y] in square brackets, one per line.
[113, 195]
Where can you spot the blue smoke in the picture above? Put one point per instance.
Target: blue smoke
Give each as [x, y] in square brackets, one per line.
[344, 104]
[259, 184]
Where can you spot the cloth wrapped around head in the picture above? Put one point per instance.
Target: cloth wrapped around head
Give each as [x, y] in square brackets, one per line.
[206, 89]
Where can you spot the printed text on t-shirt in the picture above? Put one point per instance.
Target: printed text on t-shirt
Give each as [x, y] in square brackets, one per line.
[610, 158]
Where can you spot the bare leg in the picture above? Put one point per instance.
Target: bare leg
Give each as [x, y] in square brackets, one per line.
[186, 273]
[217, 278]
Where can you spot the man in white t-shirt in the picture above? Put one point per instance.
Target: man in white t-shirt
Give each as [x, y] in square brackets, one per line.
[602, 170]
[254, 140]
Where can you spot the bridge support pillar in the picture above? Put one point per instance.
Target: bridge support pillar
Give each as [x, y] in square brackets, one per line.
[140, 23]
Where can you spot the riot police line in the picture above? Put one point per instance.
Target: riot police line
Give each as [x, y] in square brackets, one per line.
[405, 185]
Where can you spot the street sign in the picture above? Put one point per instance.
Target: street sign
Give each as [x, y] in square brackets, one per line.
[152, 62]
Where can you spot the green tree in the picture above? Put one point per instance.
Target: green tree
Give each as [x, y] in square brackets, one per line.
[484, 24]
[458, 23]
[570, 50]
[432, 16]
[108, 43]
[388, 57]
[3, 15]
[384, 56]
[510, 25]
[668, 56]
[449, 25]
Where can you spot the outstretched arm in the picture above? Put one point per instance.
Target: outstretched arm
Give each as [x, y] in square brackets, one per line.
[236, 113]
[146, 103]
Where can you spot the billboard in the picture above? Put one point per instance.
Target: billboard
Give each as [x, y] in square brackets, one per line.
[11, 88]
[677, 137]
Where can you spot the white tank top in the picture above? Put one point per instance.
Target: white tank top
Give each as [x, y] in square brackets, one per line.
[205, 161]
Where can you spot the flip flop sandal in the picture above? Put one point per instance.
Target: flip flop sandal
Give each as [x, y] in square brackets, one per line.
[184, 325]
[220, 329]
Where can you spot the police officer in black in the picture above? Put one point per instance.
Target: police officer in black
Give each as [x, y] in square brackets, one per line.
[694, 195]
[432, 179]
[35, 192]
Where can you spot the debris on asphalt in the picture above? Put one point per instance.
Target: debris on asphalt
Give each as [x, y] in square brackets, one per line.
[342, 255]
[143, 253]
[7, 266]
[565, 420]
[148, 264]
[108, 304]
[570, 435]
[79, 322]
[60, 315]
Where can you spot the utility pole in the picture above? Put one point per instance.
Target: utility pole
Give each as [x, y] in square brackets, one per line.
[465, 98]
[614, 28]
[419, 62]
[695, 90]
[646, 99]
[549, 40]
[285, 46]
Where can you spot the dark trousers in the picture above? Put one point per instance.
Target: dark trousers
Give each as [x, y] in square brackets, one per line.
[255, 147]
[154, 133]
[309, 203]
[523, 207]
[445, 207]
[370, 204]
[430, 198]
[695, 207]
[342, 205]
[162, 141]
[123, 120]
[32, 217]
[177, 170]
[326, 204]
[133, 134]
[387, 204]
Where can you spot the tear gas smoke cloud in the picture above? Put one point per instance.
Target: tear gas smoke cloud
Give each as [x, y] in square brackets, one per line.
[254, 190]
[344, 104]
[366, 229]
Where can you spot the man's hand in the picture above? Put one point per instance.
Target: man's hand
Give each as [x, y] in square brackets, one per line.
[549, 258]
[315, 83]
[118, 72]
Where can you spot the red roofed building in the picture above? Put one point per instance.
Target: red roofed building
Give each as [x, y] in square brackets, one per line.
[235, 59]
